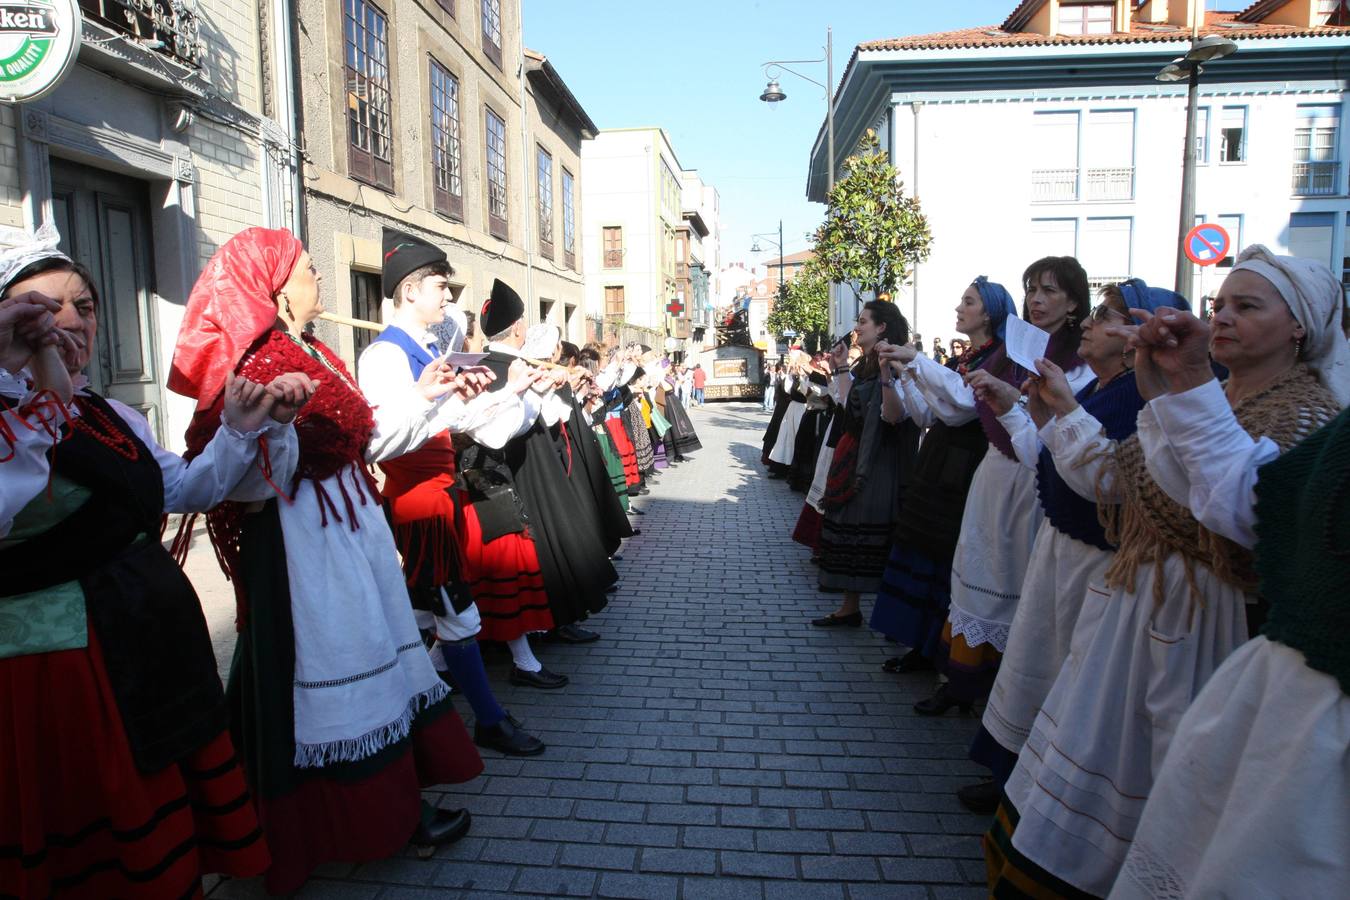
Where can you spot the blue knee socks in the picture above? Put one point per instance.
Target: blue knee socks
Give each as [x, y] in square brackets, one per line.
[465, 663]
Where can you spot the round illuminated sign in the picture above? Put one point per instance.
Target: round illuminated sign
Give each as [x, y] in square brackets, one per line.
[39, 40]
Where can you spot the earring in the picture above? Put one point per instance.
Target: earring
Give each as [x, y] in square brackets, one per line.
[286, 304]
[1298, 347]
[1071, 321]
[1125, 359]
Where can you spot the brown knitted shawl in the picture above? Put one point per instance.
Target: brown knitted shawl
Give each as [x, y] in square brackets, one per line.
[1148, 526]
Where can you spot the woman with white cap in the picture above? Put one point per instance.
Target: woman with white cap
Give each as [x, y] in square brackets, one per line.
[1178, 597]
[1265, 741]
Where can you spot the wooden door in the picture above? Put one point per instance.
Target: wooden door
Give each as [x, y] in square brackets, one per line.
[104, 220]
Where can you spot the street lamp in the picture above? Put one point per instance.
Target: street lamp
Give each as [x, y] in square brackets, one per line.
[1189, 67]
[755, 248]
[774, 94]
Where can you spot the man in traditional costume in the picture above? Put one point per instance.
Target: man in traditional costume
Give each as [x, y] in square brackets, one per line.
[450, 568]
[576, 567]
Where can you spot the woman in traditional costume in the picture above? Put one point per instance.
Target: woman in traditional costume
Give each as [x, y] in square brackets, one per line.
[1071, 550]
[1002, 514]
[1264, 743]
[915, 591]
[796, 386]
[869, 470]
[337, 710]
[1176, 600]
[117, 774]
[814, 426]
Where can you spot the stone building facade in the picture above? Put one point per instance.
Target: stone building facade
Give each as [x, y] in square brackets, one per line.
[431, 116]
[153, 151]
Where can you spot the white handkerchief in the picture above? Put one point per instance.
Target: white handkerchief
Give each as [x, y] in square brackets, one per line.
[1026, 343]
[460, 360]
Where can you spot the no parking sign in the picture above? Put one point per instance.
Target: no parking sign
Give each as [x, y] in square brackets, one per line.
[1206, 244]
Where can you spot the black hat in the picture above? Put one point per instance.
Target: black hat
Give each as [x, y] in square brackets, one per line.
[404, 254]
[501, 310]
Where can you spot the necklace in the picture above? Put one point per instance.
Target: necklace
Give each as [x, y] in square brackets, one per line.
[322, 359]
[99, 426]
[971, 355]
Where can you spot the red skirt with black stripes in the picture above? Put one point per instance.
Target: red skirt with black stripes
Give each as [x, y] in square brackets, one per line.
[78, 819]
[503, 576]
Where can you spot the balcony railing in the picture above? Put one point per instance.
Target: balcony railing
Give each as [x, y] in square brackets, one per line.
[1110, 184]
[1054, 185]
[1317, 179]
[1097, 282]
[175, 24]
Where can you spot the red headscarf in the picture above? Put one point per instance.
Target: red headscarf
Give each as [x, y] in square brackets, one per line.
[231, 306]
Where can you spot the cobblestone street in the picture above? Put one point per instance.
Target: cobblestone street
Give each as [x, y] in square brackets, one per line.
[711, 744]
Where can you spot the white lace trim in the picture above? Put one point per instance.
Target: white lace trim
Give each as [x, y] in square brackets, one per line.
[978, 631]
[1153, 874]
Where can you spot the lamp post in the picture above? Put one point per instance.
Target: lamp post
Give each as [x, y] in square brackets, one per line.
[755, 248]
[774, 94]
[1189, 67]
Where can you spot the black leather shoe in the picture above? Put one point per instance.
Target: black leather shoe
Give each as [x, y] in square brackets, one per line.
[613, 588]
[575, 634]
[981, 798]
[635, 511]
[913, 661]
[852, 620]
[637, 531]
[543, 679]
[615, 557]
[446, 827]
[940, 702]
[509, 738]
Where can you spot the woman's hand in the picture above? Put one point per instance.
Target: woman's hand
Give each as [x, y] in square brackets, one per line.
[247, 404]
[27, 323]
[1055, 391]
[998, 395]
[289, 392]
[1173, 346]
[839, 355]
[902, 354]
[50, 369]
[1041, 413]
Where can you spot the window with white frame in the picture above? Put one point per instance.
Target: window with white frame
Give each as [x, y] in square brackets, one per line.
[1316, 168]
[569, 220]
[1310, 235]
[1054, 174]
[1233, 134]
[1108, 155]
[1202, 135]
[1105, 250]
[1054, 237]
[1086, 18]
[544, 189]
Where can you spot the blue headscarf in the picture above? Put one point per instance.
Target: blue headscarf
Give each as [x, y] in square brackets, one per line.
[998, 303]
[1138, 295]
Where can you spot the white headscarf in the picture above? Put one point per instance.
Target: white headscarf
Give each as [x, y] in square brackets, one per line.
[1317, 301]
[20, 248]
[540, 342]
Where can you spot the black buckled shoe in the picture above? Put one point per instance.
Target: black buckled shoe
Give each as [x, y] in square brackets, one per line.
[575, 634]
[543, 679]
[913, 661]
[940, 702]
[444, 827]
[981, 798]
[852, 620]
[508, 737]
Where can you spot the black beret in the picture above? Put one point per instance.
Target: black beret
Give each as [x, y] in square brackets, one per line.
[404, 254]
[501, 310]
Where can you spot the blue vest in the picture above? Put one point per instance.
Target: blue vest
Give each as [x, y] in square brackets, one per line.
[1117, 407]
[419, 357]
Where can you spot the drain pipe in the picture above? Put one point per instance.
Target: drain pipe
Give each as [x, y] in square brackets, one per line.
[526, 174]
[289, 114]
[915, 106]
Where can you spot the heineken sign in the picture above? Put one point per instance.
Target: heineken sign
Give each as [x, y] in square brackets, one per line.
[39, 40]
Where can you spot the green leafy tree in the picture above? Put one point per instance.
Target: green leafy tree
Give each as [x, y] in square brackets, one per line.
[803, 306]
[873, 234]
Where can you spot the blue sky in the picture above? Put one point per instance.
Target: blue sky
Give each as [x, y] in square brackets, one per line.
[694, 69]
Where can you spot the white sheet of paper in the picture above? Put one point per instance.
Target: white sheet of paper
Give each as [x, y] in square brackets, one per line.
[460, 360]
[1026, 343]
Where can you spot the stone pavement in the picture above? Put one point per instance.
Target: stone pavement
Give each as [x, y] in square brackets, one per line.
[711, 744]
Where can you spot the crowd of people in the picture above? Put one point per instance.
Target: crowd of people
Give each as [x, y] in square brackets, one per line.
[375, 527]
[1133, 557]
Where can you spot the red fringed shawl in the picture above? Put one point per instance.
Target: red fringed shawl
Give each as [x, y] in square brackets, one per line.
[333, 428]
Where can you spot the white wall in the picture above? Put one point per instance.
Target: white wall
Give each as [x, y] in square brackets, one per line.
[618, 187]
[975, 185]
